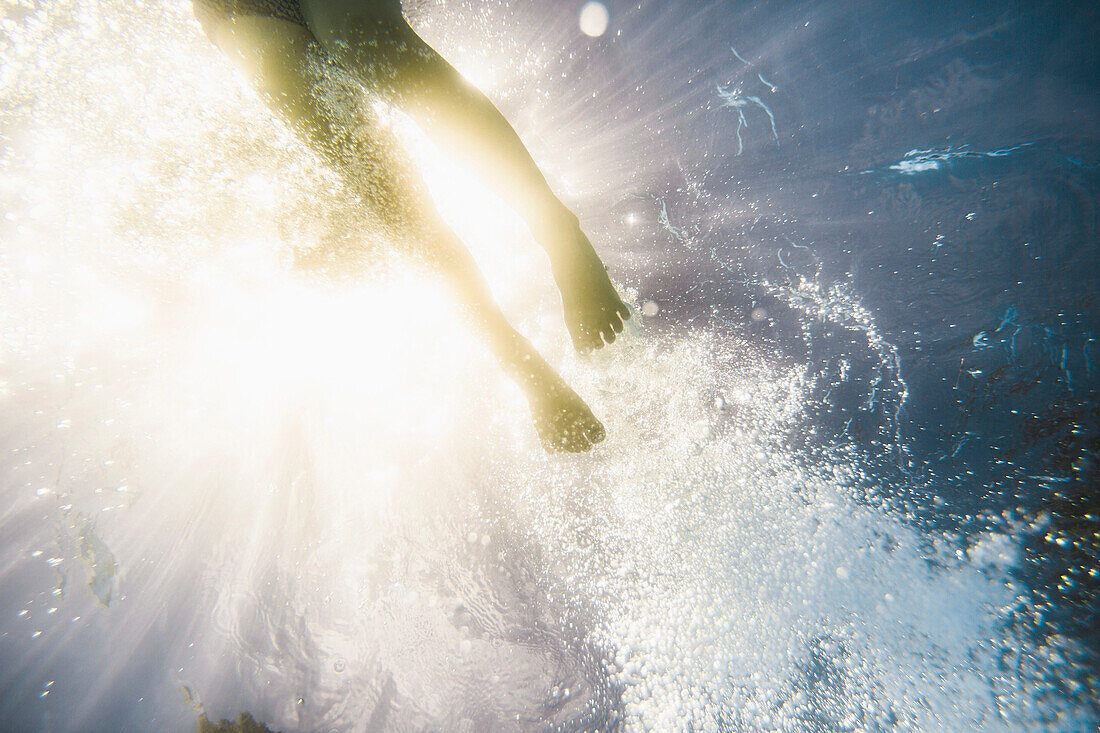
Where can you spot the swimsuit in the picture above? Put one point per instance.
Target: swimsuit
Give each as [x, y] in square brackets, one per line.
[210, 10]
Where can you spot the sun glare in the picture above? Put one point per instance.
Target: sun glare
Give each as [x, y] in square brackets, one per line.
[257, 348]
[495, 235]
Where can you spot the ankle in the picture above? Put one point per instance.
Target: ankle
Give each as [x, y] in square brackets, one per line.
[557, 231]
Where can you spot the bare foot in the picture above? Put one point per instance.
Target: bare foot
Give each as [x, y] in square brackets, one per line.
[563, 421]
[594, 312]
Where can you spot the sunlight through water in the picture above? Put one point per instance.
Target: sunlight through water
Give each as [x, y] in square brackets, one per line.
[254, 462]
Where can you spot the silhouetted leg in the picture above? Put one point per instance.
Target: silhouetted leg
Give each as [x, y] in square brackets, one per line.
[378, 45]
[562, 419]
[301, 83]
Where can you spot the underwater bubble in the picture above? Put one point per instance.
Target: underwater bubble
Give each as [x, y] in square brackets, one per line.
[594, 19]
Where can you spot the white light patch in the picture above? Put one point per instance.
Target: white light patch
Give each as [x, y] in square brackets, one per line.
[594, 19]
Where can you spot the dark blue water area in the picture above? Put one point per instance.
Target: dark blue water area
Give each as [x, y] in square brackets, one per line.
[940, 162]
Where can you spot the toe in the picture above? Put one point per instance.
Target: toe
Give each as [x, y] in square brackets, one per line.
[616, 323]
[596, 433]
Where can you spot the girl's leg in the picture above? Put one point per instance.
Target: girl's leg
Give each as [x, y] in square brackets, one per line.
[562, 419]
[374, 41]
[302, 84]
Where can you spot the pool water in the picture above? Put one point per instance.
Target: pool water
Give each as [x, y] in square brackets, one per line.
[853, 429]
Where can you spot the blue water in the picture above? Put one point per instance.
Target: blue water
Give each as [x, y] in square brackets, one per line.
[851, 476]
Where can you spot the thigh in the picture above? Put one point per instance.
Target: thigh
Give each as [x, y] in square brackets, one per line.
[374, 41]
[325, 15]
[327, 108]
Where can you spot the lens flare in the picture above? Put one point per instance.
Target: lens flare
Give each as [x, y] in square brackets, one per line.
[594, 19]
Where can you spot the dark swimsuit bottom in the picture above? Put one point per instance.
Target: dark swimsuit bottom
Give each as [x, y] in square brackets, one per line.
[211, 10]
[208, 11]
